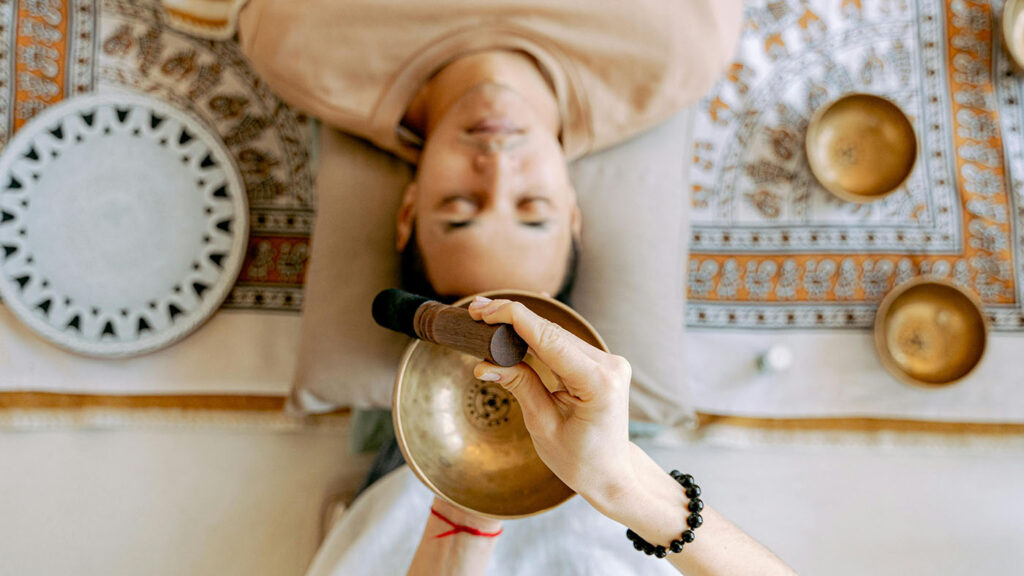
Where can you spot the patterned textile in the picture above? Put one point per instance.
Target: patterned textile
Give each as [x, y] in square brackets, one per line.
[771, 249]
[53, 49]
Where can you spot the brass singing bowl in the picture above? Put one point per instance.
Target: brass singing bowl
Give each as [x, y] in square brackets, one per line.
[1013, 31]
[465, 439]
[861, 147]
[930, 332]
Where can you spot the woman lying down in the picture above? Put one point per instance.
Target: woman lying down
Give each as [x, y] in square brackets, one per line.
[491, 99]
[581, 433]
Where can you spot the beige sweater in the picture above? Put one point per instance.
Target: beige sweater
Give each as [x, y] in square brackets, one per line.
[618, 67]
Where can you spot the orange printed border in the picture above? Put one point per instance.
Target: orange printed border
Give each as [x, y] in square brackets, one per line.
[29, 53]
[1005, 290]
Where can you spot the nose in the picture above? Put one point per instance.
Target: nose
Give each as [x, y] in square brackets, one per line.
[494, 159]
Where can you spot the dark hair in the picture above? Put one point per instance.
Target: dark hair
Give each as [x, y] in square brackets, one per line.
[414, 273]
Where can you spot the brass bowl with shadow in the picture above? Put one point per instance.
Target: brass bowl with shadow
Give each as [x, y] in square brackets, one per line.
[1013, 31]
[861, 147]
[930, 332]
[465, 439]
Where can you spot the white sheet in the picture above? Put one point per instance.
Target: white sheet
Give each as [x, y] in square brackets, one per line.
[236, 352]
[837, 374]
[573, 539]
[167, 493]
[834, 503]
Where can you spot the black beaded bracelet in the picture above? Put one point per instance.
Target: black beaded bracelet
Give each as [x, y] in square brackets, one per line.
[693, 521]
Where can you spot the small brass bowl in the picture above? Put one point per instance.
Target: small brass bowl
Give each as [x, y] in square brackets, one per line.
[1013, 31]
[465, 439]
[861, 147]
[930, 332]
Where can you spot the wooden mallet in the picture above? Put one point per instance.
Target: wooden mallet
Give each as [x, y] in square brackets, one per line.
[449, 326]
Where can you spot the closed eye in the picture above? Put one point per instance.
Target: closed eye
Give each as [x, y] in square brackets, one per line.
[455, 225]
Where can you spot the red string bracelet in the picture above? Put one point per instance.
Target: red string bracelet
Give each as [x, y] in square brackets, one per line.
[456, 528]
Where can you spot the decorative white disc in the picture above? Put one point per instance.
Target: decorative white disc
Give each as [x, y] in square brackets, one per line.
[123, 224]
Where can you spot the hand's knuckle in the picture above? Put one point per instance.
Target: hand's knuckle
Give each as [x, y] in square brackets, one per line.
[495, 305]
[517, 309]
[549, 336]
[606, 380]
[514, 382]
[620, 385]
[615, 373]
[620, 366]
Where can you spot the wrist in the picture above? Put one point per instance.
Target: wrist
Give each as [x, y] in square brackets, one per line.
[656, 506]
[465, 518]
[659, 515]
[616, 497]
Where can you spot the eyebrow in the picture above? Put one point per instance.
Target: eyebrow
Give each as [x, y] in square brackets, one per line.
[534, 197]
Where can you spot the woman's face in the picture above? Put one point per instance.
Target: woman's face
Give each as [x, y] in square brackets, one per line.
[492, 203]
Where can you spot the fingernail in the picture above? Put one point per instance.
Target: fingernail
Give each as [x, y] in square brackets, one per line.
[479, 301]
[490, 377]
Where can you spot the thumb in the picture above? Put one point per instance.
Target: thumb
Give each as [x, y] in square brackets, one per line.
[535, 400]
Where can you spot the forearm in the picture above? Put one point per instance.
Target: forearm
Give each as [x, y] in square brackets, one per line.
[656, 509]
[723, 549]
[457, 554]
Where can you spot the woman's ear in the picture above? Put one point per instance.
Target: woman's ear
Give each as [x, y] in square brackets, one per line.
[406, 217]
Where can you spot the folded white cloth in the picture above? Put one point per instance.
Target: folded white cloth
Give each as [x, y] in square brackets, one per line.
[837, 374]
[235, 352]
[381, 531]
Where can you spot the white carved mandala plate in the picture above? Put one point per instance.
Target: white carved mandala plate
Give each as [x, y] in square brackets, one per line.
[123, 224]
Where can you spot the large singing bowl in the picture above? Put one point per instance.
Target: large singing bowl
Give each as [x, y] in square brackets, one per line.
[465, 439]
[861, 147]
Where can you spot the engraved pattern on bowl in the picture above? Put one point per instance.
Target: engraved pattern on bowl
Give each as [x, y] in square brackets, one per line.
[466, 439]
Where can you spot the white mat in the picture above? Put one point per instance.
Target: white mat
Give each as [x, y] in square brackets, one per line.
[234, 353]
[837, 374]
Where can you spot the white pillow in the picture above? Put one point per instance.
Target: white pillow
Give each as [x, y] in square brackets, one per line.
[630, 284]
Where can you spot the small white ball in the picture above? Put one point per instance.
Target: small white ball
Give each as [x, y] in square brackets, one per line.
[778, 358]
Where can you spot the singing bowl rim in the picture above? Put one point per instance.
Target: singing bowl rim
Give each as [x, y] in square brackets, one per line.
[1013, 10]
[397, 420]
[815, 123]
[882, 348]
